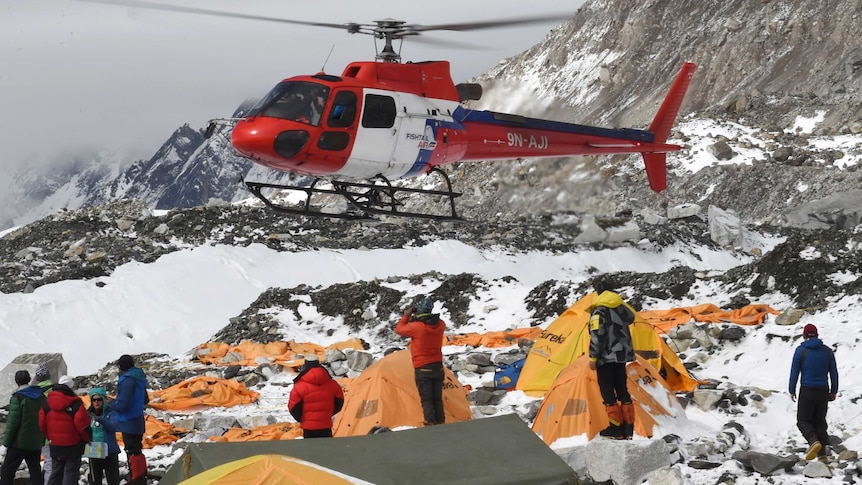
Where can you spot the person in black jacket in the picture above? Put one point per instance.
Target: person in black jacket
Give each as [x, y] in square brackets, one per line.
[611, 349]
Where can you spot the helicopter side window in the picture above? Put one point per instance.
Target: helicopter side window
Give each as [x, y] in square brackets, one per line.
[379, 112]
[343, 111]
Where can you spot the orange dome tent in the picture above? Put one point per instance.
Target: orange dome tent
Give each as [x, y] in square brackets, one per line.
[385, 395]
[574, 406]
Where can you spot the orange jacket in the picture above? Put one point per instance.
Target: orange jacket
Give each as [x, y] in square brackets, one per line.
[426, 333]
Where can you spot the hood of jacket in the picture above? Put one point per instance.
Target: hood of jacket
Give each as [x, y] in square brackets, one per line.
[428, 318]
[135, 373]
[316, 375]
[61, 397]
[607, 299]
[812, 343]
[30, 392]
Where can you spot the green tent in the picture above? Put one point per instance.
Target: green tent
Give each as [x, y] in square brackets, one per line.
[492, 451]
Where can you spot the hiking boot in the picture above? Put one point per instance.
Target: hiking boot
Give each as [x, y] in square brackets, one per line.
[813, 450]
[613, 431]
[628, 431]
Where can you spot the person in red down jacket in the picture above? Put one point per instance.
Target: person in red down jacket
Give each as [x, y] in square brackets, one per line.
[65, 423]
[425, 330]
[315, 399]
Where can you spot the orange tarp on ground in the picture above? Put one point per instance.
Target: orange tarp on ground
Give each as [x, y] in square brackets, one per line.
[277, 431]
[385, 395]
[282, 352]
[157, 433]
[493, 339]
[707, 312]
[203, 391]
[573, 406]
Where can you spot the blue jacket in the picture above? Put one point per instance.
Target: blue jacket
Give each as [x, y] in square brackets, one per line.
[128, 407]
[818, 366]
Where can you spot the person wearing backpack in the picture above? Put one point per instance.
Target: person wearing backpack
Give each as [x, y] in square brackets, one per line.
[128, 407]
[611, 348]
[65, 422]
[816, 363]
[42, 378]
[22, 437]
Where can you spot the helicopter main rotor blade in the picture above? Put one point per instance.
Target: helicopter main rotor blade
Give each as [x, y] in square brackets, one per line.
[490, 24]
[203, 11]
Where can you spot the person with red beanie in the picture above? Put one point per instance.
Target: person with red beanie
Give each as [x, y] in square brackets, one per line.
[128, 414]
[425, 330]
[816, 362]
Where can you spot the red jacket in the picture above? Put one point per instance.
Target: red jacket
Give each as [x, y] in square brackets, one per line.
[426, 344]
[58, 426]
[315, 398]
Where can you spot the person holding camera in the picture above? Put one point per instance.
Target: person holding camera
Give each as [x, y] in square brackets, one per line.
[425, 330]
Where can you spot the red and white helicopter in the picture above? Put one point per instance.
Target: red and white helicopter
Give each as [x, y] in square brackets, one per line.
[382, 120]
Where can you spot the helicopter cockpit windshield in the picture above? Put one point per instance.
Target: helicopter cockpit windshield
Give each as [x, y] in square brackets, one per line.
[300, 101]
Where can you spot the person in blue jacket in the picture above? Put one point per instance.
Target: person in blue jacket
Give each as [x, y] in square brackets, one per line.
[819, 385]
[104, 431]
[128, 409]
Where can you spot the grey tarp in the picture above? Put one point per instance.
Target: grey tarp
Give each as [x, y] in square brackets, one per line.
[492, 451]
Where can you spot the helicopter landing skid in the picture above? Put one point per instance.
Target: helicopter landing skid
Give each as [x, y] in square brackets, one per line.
[364, 199]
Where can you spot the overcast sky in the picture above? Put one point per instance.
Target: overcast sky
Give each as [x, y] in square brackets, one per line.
[82, 74]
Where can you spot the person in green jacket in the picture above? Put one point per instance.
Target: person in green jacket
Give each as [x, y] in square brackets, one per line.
[22, 438]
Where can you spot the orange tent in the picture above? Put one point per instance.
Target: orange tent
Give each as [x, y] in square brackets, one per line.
[202, 391]
[271, 469]
[574, 406]
[385, 395]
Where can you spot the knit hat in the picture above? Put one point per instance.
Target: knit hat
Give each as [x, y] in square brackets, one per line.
[425, 305]
[125, 362]
[22, 377]
[98, 391]
[601, 285]
[809, 331]
[42, 373]
[312, 357]
[67, 381]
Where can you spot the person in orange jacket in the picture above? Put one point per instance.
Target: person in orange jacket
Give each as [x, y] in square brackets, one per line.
[425, 330]
[314, 399]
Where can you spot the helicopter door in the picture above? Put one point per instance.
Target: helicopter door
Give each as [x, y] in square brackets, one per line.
[417, 137]
[375, 136]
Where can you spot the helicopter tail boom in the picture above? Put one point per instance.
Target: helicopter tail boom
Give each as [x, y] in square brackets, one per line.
[655, 163]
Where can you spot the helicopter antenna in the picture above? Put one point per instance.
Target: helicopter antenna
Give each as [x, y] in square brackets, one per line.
[323, 68]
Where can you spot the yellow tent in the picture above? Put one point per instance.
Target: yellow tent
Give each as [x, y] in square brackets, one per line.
[271, 470]
[568, 337]
[385, 395]
[574, 406]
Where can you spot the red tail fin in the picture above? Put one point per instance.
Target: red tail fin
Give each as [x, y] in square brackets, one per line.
[656, 163]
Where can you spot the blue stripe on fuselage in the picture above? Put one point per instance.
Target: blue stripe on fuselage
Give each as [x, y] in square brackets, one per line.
[424, 155]
[503, 119]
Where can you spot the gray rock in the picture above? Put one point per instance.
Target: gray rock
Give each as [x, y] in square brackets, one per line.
[725, 227]
[666, 476]
[358, 360]
[816, 469]
[55, 362]
[632, 460]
